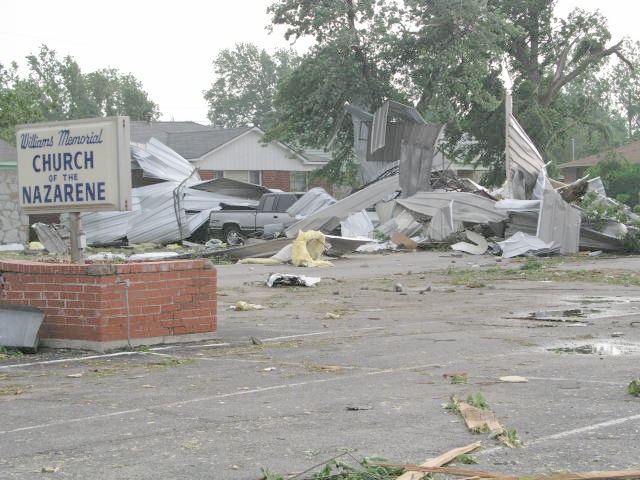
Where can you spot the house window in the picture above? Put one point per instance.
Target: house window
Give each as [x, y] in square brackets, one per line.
[299, 181]
[255, 177]
[218, 174]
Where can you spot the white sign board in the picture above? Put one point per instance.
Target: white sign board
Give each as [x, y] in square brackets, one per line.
[74, 166]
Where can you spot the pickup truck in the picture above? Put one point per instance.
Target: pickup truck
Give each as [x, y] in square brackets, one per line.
[231, 224]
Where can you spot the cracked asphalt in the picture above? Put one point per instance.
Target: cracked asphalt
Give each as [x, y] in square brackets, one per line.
[359, 365]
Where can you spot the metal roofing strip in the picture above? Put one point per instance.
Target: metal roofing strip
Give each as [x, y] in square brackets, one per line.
[342, 209]
[559, 222]
[467, 207]
[159, 161]
[522, 150]
[379, 128]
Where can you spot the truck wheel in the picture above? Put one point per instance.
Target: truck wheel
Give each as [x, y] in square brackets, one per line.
[231, 234]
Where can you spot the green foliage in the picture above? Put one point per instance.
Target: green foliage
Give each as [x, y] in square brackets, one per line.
[598, 210]
[531, 263]
[56, 89]
[337, 469]
[269, 475]
[19, 102]
[626, 85]
[477, 401]
[459, 379]
[447, 59]
[631, 241]
[364, 470]
[10, 352]
[247, 79]
[465, 459]
[621, 179]
[634, 387]
[345, 65]
[511, 437]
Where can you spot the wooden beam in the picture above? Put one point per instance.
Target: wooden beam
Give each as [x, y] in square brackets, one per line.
[439, 461]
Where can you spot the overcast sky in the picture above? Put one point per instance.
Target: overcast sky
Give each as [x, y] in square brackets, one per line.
[170, 46]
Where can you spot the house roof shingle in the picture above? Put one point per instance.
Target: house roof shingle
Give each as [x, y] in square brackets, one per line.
[191, 140]
[631, 151]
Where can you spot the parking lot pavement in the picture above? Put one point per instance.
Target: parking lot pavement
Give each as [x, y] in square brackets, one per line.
[361, 365]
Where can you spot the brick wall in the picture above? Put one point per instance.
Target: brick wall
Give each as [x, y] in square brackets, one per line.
[276, 179]
[105, 306]
[207, 174]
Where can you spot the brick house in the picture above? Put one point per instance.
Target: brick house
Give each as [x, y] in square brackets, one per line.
[235, 153]
[576, 169]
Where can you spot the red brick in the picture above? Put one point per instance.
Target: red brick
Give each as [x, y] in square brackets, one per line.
[89, 303]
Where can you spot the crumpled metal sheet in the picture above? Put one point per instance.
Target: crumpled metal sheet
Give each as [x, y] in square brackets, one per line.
[442, 225]
[524, 162]
[329, 218]
[315, 199]
[478, 246]
[168, 211]
[559, 222]
[466, 207]
[521, 243]
[357, 225]
[416, 157]
[159, 161]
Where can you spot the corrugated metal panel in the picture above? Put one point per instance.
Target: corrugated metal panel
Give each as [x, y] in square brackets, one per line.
[164, 212]
[379, 128]
[466, 207]
[312, 201]
[559, 222]
[329, 218]
[522, 151]
[416, 157]
[159, 161]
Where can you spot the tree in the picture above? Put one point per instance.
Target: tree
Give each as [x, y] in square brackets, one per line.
[19, 102]
[621, 179]
[58, 90]
[344, 65]
[626, 85]
[447, 59]
[546, 57]
[112, 93]
[246, 85]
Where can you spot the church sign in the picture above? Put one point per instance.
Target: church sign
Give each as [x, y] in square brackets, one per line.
[74, 166]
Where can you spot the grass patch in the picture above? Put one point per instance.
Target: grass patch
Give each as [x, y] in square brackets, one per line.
[339, 469]
[6, 390]
[634, 387]
[459, 379]
[6, 352]
[170, 362]
[465, 459]
[540, 270]
[477, 401]
[510, 437]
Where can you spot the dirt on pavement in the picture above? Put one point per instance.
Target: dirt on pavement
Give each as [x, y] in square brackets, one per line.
[361, 363]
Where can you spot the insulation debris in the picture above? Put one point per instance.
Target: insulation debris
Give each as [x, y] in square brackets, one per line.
[307, 250]
[242, 306]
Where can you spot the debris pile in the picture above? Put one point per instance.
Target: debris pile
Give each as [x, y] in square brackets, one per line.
[411, 199]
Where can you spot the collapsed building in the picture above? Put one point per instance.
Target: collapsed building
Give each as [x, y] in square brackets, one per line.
[409, 190]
